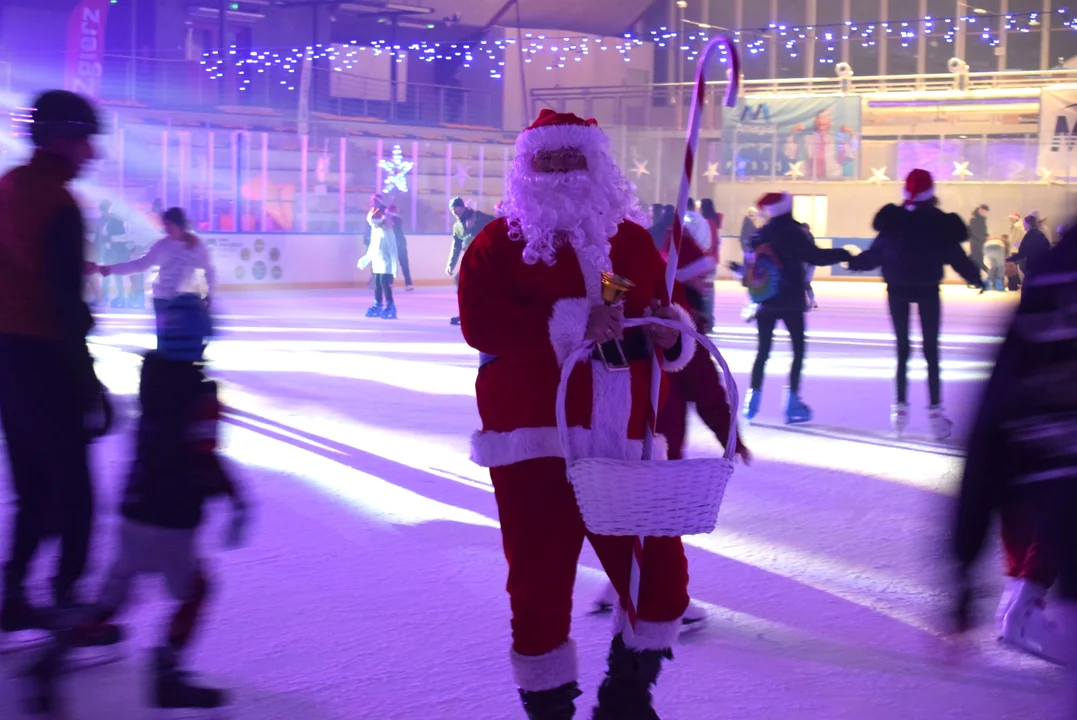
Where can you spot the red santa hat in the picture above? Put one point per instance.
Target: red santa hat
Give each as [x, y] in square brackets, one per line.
[919, 186]
[376, 200]
[553, 131]
[775, 204]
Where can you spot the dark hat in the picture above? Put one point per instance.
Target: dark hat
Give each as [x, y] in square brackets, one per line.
[985, 207]
[64, 112]
[457, 202]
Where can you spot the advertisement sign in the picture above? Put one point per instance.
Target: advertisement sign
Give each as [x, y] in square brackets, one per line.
[803, 138]
[86, 47]
[1058, 132]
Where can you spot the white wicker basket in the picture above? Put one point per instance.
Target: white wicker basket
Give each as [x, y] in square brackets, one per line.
[650, 498]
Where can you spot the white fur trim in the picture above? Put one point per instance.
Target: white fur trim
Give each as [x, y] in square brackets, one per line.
[498, 449]
[568, 325]
[611, 407]
[703, 266]
[535, 673]
[688, 344]
[921, 196]
[587, 139]
[698, 229]
[646, 635]
[783, 206]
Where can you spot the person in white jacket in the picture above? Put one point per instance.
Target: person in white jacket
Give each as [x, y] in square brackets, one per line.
[382, 257]
[178, 256]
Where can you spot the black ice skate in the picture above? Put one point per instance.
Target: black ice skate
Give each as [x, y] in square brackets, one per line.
[389, 313]
[625, 694]
[172, 689]
[22, 625]
[556, 704]
[374, 310]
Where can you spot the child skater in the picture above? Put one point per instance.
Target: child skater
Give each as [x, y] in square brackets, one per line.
[381, 255]
[175, 470]
[178, 255]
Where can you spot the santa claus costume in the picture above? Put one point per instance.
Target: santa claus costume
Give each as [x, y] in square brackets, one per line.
[530, 286]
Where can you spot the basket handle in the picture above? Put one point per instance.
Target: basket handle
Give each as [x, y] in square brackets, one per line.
[574, 357]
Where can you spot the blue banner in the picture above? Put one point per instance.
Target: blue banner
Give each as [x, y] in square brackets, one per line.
[805, 138]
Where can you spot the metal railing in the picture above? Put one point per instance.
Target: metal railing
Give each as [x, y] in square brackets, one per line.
[185, 85]
[665, 104]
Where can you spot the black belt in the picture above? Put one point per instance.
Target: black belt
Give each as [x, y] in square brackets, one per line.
[635, 346]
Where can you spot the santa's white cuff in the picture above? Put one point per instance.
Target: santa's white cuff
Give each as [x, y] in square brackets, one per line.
[688, 344]
[535, 673]
[647, 635]
[568, 325]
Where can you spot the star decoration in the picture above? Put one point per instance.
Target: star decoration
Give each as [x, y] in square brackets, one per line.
[1045, 174]
[796, 170]
[640, 168]
[463, 174]
[878, 175]
[397, 169]
[961, 169]
[712, 172]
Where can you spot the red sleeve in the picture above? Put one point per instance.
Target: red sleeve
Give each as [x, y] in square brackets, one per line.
[493, 319]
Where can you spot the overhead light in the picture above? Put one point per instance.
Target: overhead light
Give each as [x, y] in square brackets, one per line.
[682, 4]
[979, 11]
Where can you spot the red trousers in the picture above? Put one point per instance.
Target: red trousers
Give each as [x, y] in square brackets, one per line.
[543, 534]
[697, 383]
[1026, 536]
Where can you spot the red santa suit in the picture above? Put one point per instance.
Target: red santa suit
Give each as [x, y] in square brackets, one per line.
[525, 319]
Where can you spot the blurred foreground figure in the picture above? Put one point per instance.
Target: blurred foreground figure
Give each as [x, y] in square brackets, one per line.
[48, 389]
[530, 297]
[1022, 464]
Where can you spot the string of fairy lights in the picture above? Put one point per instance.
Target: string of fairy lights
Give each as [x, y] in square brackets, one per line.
[558, 51]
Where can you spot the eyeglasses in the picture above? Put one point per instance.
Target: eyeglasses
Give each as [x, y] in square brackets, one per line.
[567, 156]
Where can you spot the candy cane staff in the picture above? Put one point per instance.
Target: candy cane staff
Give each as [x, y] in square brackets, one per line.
[531, 295]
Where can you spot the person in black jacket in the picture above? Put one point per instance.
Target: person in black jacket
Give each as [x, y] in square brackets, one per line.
[794, 248]
[914, 243]
[978, 238]
[1022, 465]
[1034, 249]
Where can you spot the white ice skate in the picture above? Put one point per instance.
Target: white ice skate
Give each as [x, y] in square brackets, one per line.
[1027, 628]
[605, 601]
[899, 417]
[694, 617]
[1005, 602]
[941, 426]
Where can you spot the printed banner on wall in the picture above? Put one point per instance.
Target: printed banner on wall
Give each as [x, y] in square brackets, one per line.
[86, 47]
[1058, 132]
[813, 138]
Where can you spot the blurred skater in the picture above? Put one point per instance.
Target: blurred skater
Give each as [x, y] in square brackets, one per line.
[381, 256]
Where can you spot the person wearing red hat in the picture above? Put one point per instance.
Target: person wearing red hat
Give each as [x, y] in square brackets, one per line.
[914, 244]
[381, 256]
[530, 296]
[787, 247]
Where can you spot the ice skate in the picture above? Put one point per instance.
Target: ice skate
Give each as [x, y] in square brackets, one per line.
[941, 426]
[626, 691]
[172, 689]
[374, 310]
[694, 617]
[1027, 628]
[899, 418]
[752, 400]
[1005, 602]
[454, 321]
[389, 313]
[556, 704]
[22, 625]
[605, 601]
[796, 412]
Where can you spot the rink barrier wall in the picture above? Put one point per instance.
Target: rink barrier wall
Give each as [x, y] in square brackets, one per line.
[254, 261]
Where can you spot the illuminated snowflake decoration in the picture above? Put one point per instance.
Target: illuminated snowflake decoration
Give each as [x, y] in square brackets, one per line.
[397, 169]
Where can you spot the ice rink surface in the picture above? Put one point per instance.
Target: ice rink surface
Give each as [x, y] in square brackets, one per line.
[373, 583]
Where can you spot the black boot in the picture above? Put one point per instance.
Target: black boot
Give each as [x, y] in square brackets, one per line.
[556, 704]
[625, 694]
[172, 689]
[17, 614]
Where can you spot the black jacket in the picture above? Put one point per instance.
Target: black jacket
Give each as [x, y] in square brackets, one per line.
[914, 246]
[1034, 249]
[169, 480]
[977, 231]
[795, 247]
[1022, 439]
